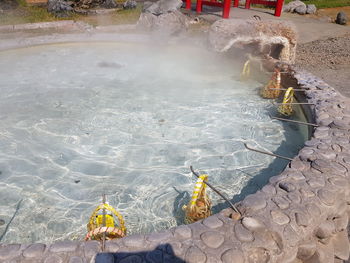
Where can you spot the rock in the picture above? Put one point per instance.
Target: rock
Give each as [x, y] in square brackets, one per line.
[232, 256]
[59, 8]
[341, 18]
[227, 33]
[195, 255]
[301, 10]
[213, 239]
[243, 234]
[162, 7]
[34, 250]
[129, 4]
[108, 4]
[290, 7]
[341, 245]
[258, 255]
[311, 9]
[279, 217]
[325, 230]
[213, 222]
[305, 251]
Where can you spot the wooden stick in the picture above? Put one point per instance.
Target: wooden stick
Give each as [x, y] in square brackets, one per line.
[216, 191]
[286, 89]
[294, 103]
[299, 122]
[267, 153]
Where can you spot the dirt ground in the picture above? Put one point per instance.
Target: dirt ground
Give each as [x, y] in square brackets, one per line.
[328, 58]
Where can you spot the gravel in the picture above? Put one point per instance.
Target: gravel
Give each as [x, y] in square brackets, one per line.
[329, 59]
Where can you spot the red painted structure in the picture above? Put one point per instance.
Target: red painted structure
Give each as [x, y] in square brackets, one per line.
[226, 5]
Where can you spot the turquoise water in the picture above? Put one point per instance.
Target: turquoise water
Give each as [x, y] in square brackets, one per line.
[80, 120]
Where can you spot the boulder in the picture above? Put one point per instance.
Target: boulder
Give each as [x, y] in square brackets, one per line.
[290, 7]
[301, 9]
[279, 36]
[164, 17]
[311, 9]
[162, 7]
[129, 4]
[341, 18]
[59, 8]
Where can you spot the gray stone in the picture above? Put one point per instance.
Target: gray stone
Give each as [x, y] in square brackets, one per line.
[91, 248]
[129, 4]
[232, 256]
[254, 202]
[59, 7]
[252, 223]
[155, 256]
[53, 259]
[163, 7]
[290, 7]
[76, 259]
[112, 246]
[323, 254]
[306, 250]
[316, 182]
[258, 255]
[302, 219]
[9, 251]
[131, 259]
[341, 222]
[290, 235]
[287, 186]
[137, 241]
[279, 217]
[294, 197]
[325, 230]
[341, 19]
[311, 9]
[195, 255]
[326, 197]
[34, 250]
[269, 189]
[213, 222]
[301, 10]
[243, 234]
[339, 182]
[281, 202]
[341, 245]
[183, 232]
[159, 237]
[213, 239]
[64, 246]
[298, 165]
[322, 166]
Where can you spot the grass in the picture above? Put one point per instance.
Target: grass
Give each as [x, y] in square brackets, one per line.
[24, 13]
[325, 3]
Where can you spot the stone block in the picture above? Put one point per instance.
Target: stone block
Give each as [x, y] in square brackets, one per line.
[212, 239]
[341, 222]
[91, 248]
[325, 230]
[64, 246]
[182, 232]
[34, 251]
[306, 250]
[159, 237]
[243, 234]
[213, 222]
[137, 241]
[279, 217]
[10, 251]
[232, 256]
[195, 255]
[341, 245]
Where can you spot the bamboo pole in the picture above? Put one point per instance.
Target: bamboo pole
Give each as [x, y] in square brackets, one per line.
[286, 89]
[104, 222]
[216, 191]
[294, 103]
[267, 153]
[293, 121]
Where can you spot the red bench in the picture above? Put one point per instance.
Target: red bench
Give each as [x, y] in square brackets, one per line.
[226, 5]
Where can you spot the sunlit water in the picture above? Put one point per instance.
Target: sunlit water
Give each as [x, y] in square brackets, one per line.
[80, 120]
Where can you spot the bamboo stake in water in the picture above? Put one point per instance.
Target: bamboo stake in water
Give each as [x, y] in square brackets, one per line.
[293, 121]
[267, 153]
[216, 191]
[103, 222]
[294, 103]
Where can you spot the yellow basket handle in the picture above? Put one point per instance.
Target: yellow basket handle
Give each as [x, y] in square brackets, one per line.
[198, 188]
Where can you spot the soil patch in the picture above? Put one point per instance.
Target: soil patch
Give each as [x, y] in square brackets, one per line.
[329, 59]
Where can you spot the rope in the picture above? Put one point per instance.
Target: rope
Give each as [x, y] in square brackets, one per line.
[199, 206]
[272, 89]
[95, 226]
[246, 71]
[286, 108]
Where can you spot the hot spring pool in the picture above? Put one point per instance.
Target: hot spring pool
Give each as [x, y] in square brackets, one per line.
[80, 120]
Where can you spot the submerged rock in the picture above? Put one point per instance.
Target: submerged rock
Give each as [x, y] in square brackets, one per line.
[341, 18]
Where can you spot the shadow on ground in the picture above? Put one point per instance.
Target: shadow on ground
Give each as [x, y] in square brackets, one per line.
[162, 253]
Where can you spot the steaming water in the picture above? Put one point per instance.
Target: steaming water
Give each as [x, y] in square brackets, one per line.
[79, 120]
